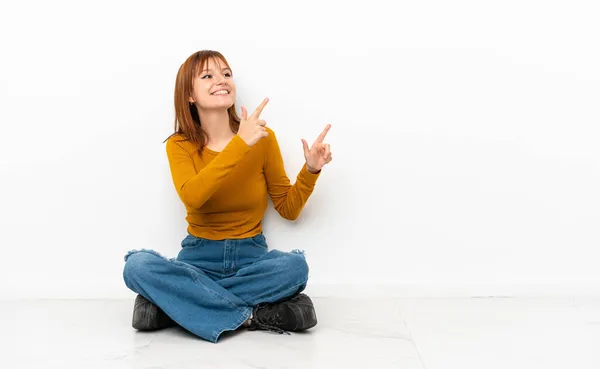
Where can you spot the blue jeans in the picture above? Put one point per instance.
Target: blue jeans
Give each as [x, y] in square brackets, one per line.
[212, 286]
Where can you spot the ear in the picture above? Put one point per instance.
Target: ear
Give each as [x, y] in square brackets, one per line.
[191, 100]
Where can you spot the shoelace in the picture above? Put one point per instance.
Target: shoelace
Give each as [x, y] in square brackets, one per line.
[258, 325]
[270, 323]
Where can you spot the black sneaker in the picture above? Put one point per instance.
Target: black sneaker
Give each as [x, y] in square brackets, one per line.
[295, 315]
[149, 317]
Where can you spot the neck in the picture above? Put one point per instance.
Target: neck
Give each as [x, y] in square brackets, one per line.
[216, 125]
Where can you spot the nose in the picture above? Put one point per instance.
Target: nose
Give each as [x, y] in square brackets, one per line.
[221, 80]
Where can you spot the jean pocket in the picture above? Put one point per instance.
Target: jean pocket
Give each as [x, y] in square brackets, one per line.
[192, 241]
[259, 241]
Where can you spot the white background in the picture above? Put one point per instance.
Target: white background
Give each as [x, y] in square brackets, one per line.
[465, 139]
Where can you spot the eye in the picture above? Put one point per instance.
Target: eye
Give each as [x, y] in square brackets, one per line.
[228, 74]
[204, 77]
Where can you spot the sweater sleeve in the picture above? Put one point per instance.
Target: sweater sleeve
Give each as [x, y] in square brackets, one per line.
[195, 188]
[287, 199]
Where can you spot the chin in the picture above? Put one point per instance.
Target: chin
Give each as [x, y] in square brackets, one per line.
[223, 106]
[227, 106]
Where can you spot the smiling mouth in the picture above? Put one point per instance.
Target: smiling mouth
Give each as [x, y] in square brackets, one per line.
[218, 93]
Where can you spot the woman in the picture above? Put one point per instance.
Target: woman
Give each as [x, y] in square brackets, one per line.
[224, 169]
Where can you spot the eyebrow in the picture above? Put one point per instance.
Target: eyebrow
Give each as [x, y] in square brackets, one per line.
[222, 69]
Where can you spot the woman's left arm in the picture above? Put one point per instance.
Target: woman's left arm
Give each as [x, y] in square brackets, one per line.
[289, 199]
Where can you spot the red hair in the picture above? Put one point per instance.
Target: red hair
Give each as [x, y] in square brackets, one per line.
[187, 120]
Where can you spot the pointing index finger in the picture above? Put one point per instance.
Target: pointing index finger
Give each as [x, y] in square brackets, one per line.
[323, 134]
[260, 108]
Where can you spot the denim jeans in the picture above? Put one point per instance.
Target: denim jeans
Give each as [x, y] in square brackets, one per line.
[212, 286]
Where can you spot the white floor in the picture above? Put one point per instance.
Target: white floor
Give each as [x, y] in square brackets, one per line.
[352, 333]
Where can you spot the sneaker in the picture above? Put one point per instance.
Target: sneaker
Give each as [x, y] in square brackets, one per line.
[149, 317]
[295, 315]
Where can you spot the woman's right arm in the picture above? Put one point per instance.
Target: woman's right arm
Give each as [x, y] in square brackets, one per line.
[195, 188]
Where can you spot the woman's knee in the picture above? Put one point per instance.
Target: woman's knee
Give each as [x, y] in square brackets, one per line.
[296, 267]
[138, 264]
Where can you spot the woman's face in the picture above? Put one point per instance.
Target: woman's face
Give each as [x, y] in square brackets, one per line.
[214, 87]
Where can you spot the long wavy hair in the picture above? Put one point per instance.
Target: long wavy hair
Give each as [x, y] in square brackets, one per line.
[187, 119]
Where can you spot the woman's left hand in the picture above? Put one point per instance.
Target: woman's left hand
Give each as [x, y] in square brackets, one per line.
[318, 154]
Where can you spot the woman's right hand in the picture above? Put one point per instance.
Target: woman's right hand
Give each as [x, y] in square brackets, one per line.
[252, 128]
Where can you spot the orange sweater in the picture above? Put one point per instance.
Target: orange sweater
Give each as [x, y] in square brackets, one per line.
[225, 193]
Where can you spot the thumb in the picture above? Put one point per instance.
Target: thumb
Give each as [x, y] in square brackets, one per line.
[244, 113]
[305, 147]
